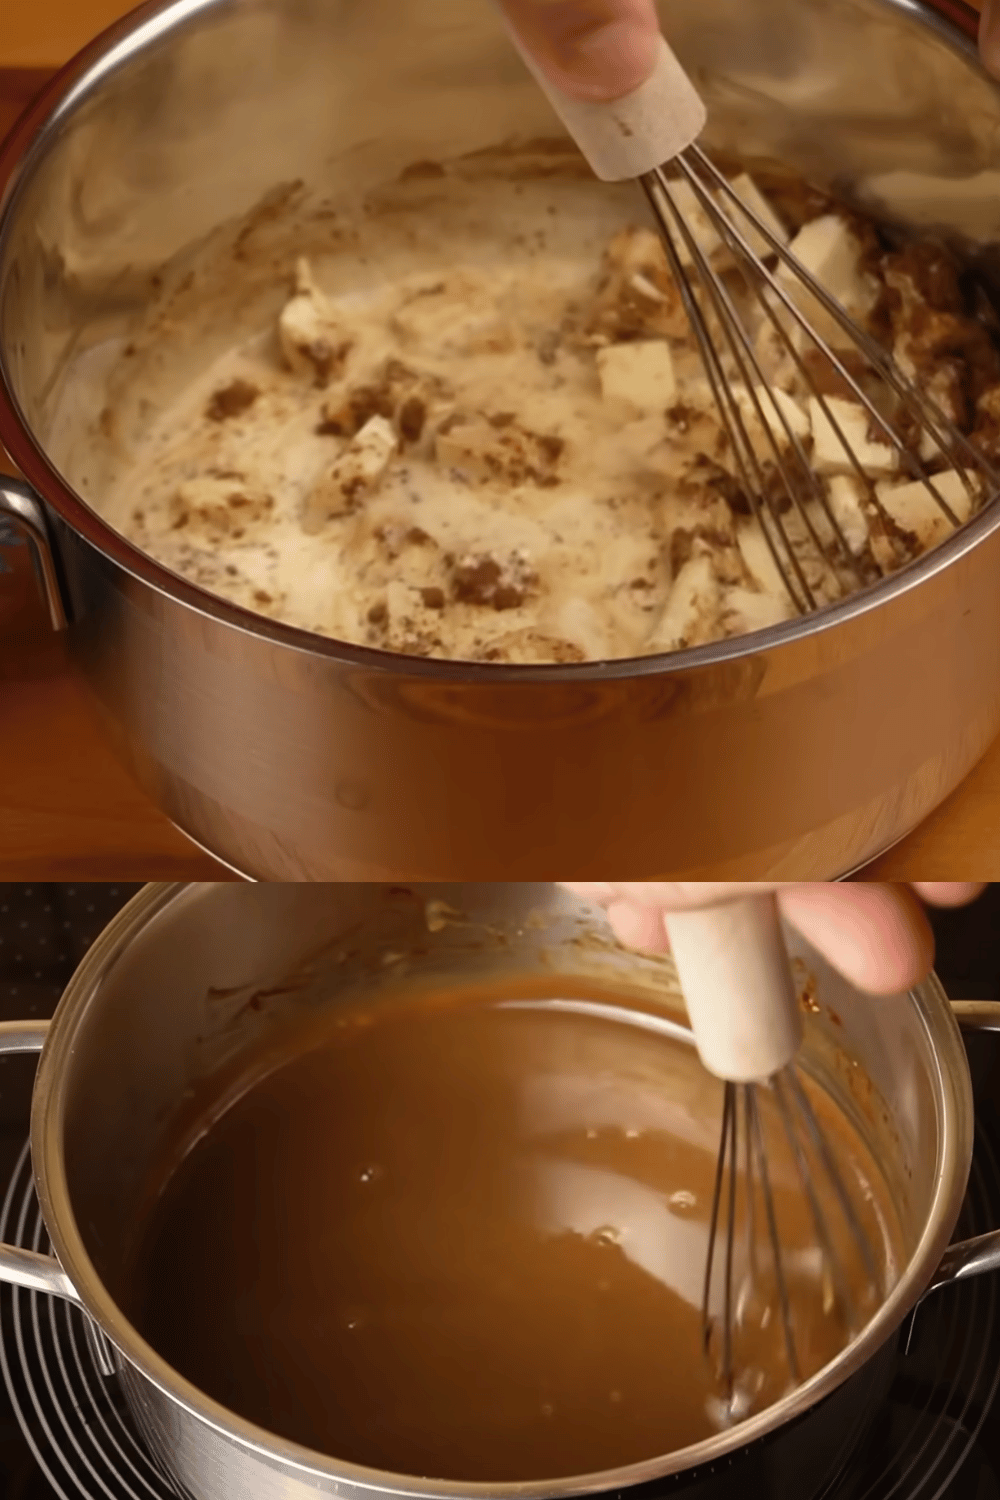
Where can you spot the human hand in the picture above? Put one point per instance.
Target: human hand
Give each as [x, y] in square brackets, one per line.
[591, 49]
[601, 49]
[877, 936]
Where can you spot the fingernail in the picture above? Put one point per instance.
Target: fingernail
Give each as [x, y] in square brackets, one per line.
[608, 60]
[989, 36]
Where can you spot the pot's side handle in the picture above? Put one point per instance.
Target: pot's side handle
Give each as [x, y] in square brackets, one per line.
[22, 516]
[38, 1273]
[977, 1015]
[982, 1253]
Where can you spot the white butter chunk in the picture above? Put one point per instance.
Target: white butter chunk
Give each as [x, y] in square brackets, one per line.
[640, 374]
[844, 495]
[771, 404]
[827, 248]
[692, 607]
[915, 510]
[745, 609]
[749, 193]
[312, 338]
[698, 222]
[355, 473]
[829, 453]
[759, 560]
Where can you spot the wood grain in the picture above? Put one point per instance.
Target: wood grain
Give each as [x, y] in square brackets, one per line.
[67, 809]
[46, 33]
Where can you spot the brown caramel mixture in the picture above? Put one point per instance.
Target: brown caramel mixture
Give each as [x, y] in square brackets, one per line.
[460, 1237]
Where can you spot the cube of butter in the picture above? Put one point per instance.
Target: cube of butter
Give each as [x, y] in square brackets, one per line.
[352, 475]
[844, 498]
[827, 248]
[639, 374]
[747, 190]
[829, 453]
[771, 404]
[916, 511]
[698, 223]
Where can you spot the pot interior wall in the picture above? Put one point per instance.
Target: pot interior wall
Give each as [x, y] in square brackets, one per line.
[191, 124]
[220, 969]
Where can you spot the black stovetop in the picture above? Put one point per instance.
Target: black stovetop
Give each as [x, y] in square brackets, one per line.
[934, 1436]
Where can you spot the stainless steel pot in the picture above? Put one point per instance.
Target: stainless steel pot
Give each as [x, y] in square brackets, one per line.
[799, 752]
[162, 1001]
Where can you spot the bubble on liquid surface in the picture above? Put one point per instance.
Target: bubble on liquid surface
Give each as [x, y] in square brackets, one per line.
[682, 1202]
[606, 1235]
[370, 1173]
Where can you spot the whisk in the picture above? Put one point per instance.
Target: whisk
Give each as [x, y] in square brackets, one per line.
[633, 138]
[741, 999]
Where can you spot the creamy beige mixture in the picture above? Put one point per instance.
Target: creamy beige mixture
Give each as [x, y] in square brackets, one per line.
[483, 431]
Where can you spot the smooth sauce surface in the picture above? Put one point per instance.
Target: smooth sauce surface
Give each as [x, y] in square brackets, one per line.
[465, 1240]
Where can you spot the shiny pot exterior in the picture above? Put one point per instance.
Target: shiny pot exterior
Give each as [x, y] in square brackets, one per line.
[799, 752]
[162, 1001]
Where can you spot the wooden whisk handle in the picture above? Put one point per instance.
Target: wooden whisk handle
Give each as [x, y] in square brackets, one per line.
[738, 987]
[628, 137]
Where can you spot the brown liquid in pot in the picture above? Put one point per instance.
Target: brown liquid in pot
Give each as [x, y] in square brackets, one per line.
[460, 1240]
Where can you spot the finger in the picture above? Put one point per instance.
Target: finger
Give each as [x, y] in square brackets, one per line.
[591, 49]
[957, 893]
[601, 891]
[639, 927]
[989, 36]
[877, 936]
[671, 895]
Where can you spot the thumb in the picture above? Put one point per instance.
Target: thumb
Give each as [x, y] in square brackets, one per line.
[590, 49]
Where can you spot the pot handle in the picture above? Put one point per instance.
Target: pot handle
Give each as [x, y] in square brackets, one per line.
[982, 1253]
[22, 518]
[38, 1273]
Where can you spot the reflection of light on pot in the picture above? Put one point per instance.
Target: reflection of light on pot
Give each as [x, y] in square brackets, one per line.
[623, 1216]
[667, 1098]
[145, 984]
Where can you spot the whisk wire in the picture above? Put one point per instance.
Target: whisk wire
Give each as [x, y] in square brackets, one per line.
[713, 1230]
[930, 414]
[727, 1332]
[822, 1149]
[734, 240]
[751, 1209]
[946, 437]
[747, 1158]
[657, 191]
[750, 474]
[733, 330]
[831, 1261]
[742, 351]
[784, 1302]
[723, 1222]
[744, 260]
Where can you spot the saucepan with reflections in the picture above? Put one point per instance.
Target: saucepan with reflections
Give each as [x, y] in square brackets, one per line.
[162, 1003]
[799, 751]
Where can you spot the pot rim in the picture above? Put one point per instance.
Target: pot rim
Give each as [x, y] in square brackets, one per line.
[955, 1113]
[26, 148]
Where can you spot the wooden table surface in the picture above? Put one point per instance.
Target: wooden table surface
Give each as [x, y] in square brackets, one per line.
[67, 809]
